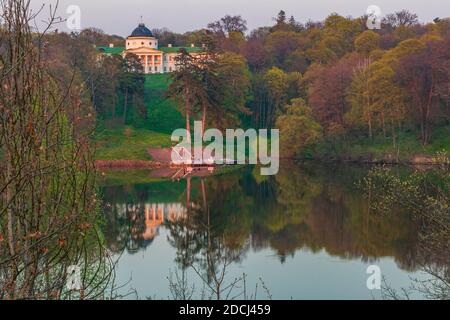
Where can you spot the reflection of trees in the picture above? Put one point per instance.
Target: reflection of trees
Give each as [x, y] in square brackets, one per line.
[329, 213]
[125, 226]
[125, 213]
[206, 240]
[303, 207]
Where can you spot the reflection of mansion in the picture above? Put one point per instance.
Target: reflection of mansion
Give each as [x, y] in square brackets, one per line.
[143, 44]
[156, 214]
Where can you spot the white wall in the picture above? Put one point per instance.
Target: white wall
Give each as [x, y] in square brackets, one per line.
[141, 42]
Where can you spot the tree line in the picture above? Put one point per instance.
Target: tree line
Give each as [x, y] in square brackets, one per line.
[330, 81]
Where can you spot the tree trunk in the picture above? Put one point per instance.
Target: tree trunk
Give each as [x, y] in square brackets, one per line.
[188, 111]
[114, 108]
[202, 181]
[204, 121]
[125, 104]
[393, 133]
[188, 193]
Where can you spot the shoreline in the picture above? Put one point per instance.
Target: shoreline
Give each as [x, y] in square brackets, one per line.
[388, 159]
[162, 159]
[128, 164]
[149, 164]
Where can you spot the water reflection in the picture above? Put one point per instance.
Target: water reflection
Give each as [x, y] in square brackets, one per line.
[308, 207]
[215, 221]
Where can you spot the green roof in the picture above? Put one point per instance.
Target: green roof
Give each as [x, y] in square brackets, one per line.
[119, 50]
[113, 50]
[177, 49]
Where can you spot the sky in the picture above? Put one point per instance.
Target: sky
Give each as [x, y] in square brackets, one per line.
[122, 16]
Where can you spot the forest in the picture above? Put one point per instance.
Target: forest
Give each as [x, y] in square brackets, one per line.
[336, 89]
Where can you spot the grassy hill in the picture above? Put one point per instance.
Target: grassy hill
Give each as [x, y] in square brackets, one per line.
[163, 114]
[130, 143]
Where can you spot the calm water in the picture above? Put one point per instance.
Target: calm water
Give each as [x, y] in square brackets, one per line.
[306, 233]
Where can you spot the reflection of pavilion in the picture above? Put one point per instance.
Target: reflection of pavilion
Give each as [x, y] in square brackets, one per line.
[138, 221]
[157, 213]
[146, 218]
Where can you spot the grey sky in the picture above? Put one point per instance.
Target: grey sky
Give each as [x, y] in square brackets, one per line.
[121, 16]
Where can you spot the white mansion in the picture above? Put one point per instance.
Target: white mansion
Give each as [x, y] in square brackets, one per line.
[154, 59]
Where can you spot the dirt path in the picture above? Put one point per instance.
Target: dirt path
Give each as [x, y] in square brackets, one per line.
[162, 155]
[127, 164]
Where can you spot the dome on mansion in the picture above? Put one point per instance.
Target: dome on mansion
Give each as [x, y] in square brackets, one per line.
[141, 31]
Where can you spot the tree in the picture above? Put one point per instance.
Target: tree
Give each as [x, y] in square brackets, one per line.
[296, 86]
[232, 79]
[366, 42]
[376, 99]
[401, 18]
[48, 202]
[424, 75]
[298, 129]
[360, 96]
[387, 98]
[228, 24]
[255, 53]
[187, 85]
[105, 86]
[337, 37]
[328, 90]
[297, 61]
[276, 82]
[166, 37]
[234, 42]
[131, 80]
[281, 18]
[280, 44]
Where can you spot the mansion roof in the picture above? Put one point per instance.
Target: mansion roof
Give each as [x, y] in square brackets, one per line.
[120, 50]
[141, 31]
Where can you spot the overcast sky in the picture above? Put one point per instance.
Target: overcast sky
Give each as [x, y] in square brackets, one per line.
[121, 16]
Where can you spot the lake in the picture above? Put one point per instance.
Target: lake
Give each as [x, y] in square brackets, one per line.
[306, 233]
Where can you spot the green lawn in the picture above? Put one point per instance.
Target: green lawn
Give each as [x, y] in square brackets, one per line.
[163, 113]
[123, 177]
[128, 143]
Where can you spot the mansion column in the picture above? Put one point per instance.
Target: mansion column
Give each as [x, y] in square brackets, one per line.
[146, 64]
[153, 62]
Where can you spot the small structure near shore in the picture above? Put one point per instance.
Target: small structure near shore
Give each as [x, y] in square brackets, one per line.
[192, 168]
